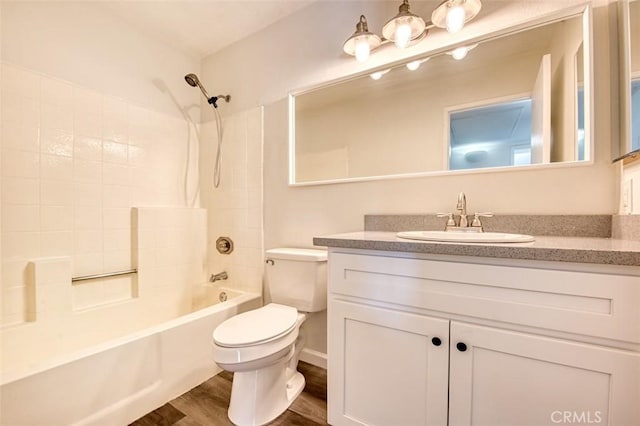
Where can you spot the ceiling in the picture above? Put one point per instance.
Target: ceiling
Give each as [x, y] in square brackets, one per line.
[202, 27]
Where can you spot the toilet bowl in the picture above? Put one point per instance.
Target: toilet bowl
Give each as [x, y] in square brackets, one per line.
[263, 361]
[262, 347]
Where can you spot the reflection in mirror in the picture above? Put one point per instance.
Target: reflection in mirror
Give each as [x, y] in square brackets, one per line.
[629, 42]
[634, 26]
[400, 123]
[495, 135]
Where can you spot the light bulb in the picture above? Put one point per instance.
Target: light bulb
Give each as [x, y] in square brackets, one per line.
[378, 75]
[403, 35]
[455, 19]
[412, 66]
[362, 49]
[459, 53]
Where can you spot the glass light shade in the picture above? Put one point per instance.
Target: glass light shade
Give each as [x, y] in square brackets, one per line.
[362, 49]
[441, 15]
[361, 42]
[455, 19]
[404, 27]
[460, 53]
[378, 75]
[402, 35]
[414, 65]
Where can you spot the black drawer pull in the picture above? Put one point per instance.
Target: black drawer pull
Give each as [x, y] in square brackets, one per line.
[461, 346]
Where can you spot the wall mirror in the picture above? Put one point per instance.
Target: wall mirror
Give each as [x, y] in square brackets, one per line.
[629, 53]
[515, 99]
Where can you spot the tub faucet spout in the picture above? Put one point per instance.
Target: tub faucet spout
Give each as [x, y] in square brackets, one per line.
[217, 277]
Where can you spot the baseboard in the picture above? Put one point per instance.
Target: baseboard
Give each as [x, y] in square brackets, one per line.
[312, 357]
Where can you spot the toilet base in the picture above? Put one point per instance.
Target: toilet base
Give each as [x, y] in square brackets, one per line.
[259, 396]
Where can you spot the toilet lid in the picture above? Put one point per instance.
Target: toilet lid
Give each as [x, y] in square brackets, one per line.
[259, 325]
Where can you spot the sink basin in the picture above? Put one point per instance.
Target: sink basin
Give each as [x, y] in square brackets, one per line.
[466, 237]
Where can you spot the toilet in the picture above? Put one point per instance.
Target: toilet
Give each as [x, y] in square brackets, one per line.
[262, 347]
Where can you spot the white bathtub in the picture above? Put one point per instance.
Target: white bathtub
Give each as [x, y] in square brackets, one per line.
[118, 381]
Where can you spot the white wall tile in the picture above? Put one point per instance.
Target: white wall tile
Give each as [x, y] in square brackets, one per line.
[117, 260]
[88, 241]
[56, 167]
[52, 271]
[20, 244]
[117, 218]
[21, 218]
[87, 264]
[114, 152]
[87, 217]
[56, 243]
[17, 190]
[56, 92]
[87, 171]
[15, 272]
[86, 102]
[19, 137]
[115, 174]
[56, 193]
[87, 194]
[87, 148]
[20, 163]
[56, 142]
[116, 196]
[85, 125]
[13, 300]
[20, 111]
[117, 240]
[56, 218]
[68, 188]
[56, 117]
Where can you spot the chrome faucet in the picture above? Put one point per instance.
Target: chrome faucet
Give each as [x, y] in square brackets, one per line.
[463, 223]
[217, 277]
[462, 208]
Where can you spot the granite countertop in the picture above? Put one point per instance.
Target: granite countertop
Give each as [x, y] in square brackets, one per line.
[606, 251]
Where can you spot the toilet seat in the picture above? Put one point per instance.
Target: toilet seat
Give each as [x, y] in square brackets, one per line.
[256, 327]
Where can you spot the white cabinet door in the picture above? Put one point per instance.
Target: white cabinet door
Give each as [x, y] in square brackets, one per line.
[386, 367]
[509, 378]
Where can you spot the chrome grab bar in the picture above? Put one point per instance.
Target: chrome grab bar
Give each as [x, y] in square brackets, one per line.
[105, 275]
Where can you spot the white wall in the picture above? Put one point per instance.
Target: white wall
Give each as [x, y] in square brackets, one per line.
[306, 49]
[96, 119]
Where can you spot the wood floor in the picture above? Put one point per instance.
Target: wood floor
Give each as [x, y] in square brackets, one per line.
[206, 404]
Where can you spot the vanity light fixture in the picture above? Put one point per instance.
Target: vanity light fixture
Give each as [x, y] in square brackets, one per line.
[406, 27]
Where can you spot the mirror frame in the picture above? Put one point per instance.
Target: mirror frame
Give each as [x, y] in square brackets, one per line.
[624, 82]
[585, 11]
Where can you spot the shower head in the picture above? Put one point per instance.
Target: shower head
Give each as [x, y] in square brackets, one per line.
[193, 81]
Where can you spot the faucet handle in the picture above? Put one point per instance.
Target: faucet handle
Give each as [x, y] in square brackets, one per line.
[476, 219]
[450, 220]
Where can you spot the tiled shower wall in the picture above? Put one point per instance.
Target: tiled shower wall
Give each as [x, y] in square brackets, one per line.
[235, 208]
[74, 162]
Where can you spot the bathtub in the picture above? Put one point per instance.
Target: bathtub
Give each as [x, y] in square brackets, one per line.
[118, 381]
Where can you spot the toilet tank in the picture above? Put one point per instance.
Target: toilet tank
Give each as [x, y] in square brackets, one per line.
[297, 277]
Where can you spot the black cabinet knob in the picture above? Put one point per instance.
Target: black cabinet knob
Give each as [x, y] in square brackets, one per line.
[461, 346]
[436, 341]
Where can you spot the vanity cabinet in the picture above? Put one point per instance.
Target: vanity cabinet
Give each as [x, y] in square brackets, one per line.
[444, 341]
